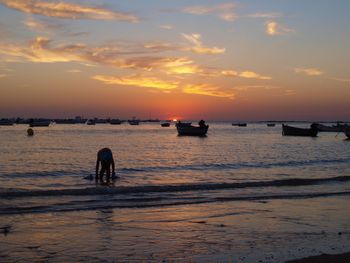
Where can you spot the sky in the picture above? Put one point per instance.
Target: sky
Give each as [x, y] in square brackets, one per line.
[213, 60]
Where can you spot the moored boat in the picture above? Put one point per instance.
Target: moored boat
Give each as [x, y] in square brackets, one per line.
[347, 133]
[271, 124]
[39, 123]
[134, 121]
[115, 122]
[6, 122]
[334, 128]
[91, 122]
[165, 124]
[240, 124]
[295, 131]
[190, 130]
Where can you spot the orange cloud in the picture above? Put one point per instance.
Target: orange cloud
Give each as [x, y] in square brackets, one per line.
[223, 11]
[309, 71]
[137, 81]
[60, 9]
[253, 75]
[273, 28]
[208, 90]
[195, 39]
[39, 51]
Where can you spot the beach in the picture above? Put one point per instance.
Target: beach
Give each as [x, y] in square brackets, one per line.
[237, 195]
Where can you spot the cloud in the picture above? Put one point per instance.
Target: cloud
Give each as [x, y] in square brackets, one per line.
[3, 76]
[223, 11]
[39, 51]
[208, 90]
[74, 71]
[39, 25]
[167, 27]
[273, 28]
[195, 40]
[244, 74]
[253, 75]
[137, 81]
[341, 79]
[42, 50]
[309, 71]
[265, 15]
[65, 10]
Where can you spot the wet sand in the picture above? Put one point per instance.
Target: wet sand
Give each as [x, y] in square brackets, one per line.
[324, 258]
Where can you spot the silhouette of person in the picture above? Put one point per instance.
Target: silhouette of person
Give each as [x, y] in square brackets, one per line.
[201, 123]
[105, 157]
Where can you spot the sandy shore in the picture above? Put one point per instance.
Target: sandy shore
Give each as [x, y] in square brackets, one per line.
[324, 258]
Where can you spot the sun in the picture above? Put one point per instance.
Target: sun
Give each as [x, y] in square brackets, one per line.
[174, 120]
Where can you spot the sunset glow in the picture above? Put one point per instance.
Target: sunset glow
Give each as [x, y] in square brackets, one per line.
[221, 60]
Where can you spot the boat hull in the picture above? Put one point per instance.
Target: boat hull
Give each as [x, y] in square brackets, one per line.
[39, 124]
[347, 133]
[294, 131]
[189, 130]
[334, 128]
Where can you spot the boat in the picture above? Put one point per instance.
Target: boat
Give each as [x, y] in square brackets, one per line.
[91, 122]
[334, 128]
[347, 132]
[6, 122]
[188, 129]
[115, 122]
[271, 124]
[134, 121]
[165, 124]
[39, 123]
[295, 131]
[240, 124]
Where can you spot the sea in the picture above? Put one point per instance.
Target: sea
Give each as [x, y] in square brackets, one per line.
[239, 194]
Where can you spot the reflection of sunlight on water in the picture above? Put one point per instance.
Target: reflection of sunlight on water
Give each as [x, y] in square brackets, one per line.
[59, 156]
[282, 228]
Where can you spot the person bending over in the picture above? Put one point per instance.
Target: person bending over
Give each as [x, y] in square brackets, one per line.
[105, 157]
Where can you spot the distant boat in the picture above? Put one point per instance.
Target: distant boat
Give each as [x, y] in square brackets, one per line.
[39, 123]
[271, 124]
[188, 129]
[134, 121]
[115, 122]
[91, 122]
[334, 128]
[165, 124]
[347, 133]
[294, 131]
[240, 124]
[6, 122]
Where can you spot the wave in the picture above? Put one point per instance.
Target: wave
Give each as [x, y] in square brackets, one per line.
[229, 166]
[155, 202]
[191, 167]
[14, 193]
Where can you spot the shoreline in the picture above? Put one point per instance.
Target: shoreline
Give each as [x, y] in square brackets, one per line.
[324, 258]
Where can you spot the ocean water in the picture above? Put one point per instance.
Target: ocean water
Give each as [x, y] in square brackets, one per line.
[240, 194]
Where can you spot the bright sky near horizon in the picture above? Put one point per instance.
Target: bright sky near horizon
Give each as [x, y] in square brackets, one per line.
[216, 60]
